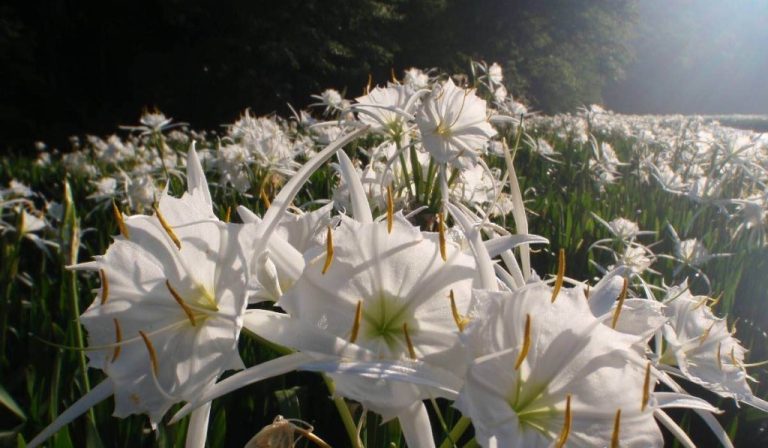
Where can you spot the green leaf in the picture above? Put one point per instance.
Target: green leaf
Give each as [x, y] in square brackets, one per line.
[288, 401]
[218, 430]
[10, 403]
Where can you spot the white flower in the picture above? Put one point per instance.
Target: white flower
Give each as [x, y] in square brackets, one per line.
[330, 99]
[637, 258]
[153, 122]
[416, 79]
[551, 373]
[106, 187]
[383, 109]
[624, 229]
[692, 252]
[166, 320]
[702, 347]
[495, 73]
[402, 286]
[453, 124]
[141, 191]
[543, 148]
[16, 189]
[500, 94]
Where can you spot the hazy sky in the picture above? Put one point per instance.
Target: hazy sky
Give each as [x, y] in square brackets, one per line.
[697, 56]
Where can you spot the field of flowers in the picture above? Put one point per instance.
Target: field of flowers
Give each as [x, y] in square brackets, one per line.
[428, 264]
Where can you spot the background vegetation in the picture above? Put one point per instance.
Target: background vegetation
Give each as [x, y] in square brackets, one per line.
[70, 67]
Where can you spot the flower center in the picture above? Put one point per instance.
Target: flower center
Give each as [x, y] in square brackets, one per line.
[383, 319]
[530, 411]
[443, 130]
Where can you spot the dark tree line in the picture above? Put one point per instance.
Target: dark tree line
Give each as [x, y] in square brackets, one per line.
[75, 66]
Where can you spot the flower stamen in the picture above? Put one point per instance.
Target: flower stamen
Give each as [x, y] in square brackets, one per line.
[119, 218]
[646, 387]
[526, 342]
[733, 357]
[104, 286]
[228, 214]
[461, 321]
[408, 342]
[151, 350]
[719, 361]
[560, 274]
[622, 297]
[329, 250]
[180, 301]
[167, 227]
[705, 334]
[118, 340]
[441, 236]
[616, 426]
[566, 424]
[356, 323]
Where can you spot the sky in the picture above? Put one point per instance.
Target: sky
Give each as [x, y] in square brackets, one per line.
[697, 56]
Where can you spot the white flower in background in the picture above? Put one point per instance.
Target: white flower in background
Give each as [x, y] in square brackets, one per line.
[325, 134]
[543, 148]
[475, 187]
[155, 120]
[495, 74]
[500, 94]
[704, 350]
[114, 150]
[141, 191]
[453, 125]
[106, 188]
[637, 258]
[669, 179]
[330, 99]
[43, 159]
[551, 374]
[78, 163]
[233, 160]
[384, 110]
[16, 189]
[692, 252]
[624, 229]
[416, 79]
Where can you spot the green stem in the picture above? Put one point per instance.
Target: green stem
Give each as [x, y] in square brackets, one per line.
[405, 170]
[429, 184]
[341, 406]
[416, 167]
[159, 145]
[346, 416]
[456, 432]
[12, 256]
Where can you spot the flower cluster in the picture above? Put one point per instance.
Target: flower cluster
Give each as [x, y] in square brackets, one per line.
[404, 289]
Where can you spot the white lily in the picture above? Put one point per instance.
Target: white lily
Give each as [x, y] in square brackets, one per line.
[167, 317]
[704, 350]
[382, 299]
[549, 373]
[454, 125]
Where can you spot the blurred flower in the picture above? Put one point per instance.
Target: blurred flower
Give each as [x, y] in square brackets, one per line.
[453, 125]
[416, 79]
